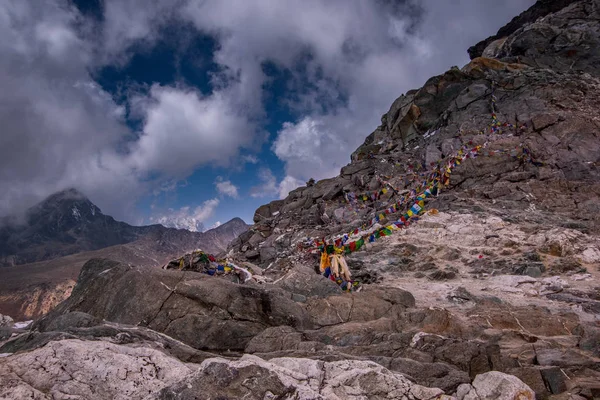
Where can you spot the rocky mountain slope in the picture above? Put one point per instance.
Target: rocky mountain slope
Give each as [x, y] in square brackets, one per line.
[67, 223]
[487, 290]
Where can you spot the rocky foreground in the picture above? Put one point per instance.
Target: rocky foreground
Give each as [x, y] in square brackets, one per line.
[492, 294]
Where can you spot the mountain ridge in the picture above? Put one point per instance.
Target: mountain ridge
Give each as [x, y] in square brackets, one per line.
[67, 222]
[41, 258]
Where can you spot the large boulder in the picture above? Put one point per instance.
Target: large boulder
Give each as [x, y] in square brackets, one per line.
[6, 321]
[178, 303]
[497, 386]
[294, 378]
[73, 368]
[538, 10]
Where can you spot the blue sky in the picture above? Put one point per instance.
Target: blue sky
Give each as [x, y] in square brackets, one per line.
[189, 113]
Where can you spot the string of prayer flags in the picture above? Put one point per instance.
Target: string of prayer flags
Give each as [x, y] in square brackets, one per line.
[431, 185]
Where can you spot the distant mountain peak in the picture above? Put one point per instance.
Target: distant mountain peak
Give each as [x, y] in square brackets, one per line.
[67, 222]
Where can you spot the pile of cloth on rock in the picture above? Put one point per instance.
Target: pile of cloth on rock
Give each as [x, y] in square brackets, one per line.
[334, 266]
[199, 261]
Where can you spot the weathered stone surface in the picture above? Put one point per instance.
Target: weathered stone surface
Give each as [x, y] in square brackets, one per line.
[554, 379]
[5, 333]
[441, 375]
[293, 378]
[275, 339]
[180, 304]
[538, 10]
[263, 212]
[563, 358]
[5, 320]
[306, 282]
[532, 377]
[433, 154]
[499, 386]
[73, 319]
[471, 94]
[91, 370]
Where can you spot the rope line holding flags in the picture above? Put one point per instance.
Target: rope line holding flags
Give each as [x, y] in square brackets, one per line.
[199, 261]
[434, 181]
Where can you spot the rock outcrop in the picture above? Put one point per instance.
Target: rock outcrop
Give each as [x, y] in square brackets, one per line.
[433, 346]
[91, 370]
[99, 370]
[544, 79]
[5, 321]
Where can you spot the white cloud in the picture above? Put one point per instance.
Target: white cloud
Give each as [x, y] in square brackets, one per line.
[128, 22]
[288, 184]
[59, 129]
[226, 188]
[183, 130]
[309, 148]
[250, 159]
[268, 186]
[186, 217]
[215, 225]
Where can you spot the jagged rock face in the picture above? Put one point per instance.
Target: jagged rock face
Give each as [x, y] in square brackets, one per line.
[181, 304]
[5, 320]
[540, 9]
[521, 239]
[546, 80]
[294, 378]
[91, 370]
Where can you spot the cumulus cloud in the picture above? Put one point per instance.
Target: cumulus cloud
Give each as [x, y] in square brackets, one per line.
[226, 188]
[128, 22]
[184, 129]
[59, 128]
[192, 219]
[268, 187]
[288, 184]
[308, 147]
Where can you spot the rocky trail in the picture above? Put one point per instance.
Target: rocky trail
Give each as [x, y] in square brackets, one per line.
[489, 289]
